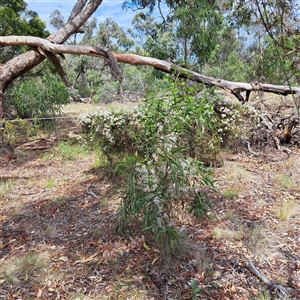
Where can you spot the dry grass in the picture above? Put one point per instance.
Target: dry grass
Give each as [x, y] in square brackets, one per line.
[31, 267]
[5, 188]
[287, 209]
[75, 109]
[235, 172]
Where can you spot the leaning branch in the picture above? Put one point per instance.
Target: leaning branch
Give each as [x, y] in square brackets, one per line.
[235, 88]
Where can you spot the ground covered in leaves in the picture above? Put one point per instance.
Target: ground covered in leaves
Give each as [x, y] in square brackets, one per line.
[58, 238]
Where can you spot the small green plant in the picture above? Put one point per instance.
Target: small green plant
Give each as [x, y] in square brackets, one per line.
[231, 193]
[287, 210]
[284, 181]
[18, 131]
[49, 231]
[195, 289]
[202, 263]
[164, 173]
[69, 151]
[288, 183]
[220, 233]
[235, 171]
[96, 231]
[256, 238]
[50, 184]
[61, 199]
[264, 295]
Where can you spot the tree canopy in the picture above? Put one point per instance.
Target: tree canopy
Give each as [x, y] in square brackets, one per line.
[16, 19]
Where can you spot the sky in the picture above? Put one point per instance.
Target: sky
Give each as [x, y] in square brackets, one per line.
[108, 9]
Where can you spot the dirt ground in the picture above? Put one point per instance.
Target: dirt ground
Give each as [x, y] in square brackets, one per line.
[58, 238]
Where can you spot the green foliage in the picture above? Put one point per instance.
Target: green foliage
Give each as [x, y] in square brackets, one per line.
[158, 146]
[112, 36]
[107, 92]
[57, 19]
[164, 173]
[112, 132]
[163, 44]
[161, 150]
[15, 19]
[144, 25]
[41, 96]
[275, 65]
[233, 121]
[19, 131]
[232, 69]
[69, 151]
[199, 23]
[195, 289]
[231, 193]
[50, 184]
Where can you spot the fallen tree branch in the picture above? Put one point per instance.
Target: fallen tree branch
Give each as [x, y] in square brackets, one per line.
[270, 284]
[235, 88]
[265, 120]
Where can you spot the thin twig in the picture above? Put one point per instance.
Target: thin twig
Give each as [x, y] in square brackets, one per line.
[88, 191]
[249, 149]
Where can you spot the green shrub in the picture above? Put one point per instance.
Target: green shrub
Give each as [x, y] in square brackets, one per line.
[38, 97]
[19, 131]
[161, 149]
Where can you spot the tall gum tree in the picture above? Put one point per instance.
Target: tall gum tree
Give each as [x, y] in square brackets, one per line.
[83, 9]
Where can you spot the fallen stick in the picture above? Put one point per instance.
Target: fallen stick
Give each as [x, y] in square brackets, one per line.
[88, 191]
[271, 285]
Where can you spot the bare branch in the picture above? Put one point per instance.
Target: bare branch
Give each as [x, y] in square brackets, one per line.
[271, 285]
[236, 88]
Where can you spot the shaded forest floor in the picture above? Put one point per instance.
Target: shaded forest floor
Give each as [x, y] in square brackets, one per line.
[58, 239]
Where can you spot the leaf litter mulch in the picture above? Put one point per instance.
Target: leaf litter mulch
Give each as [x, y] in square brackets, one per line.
[58, 238]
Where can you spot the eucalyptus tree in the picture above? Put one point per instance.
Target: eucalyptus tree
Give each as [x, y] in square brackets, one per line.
[22, 63]
[192, 25]
[57, 20]
[110, 35]
[198, 26]
[144, 26]
[16, 19]
[273, 29]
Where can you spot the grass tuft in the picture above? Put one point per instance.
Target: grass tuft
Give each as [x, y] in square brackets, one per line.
[24, 269]
[231, 193]
[287, 210]
[5, 187]
[67, 151]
